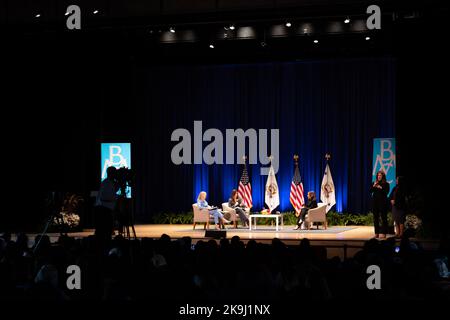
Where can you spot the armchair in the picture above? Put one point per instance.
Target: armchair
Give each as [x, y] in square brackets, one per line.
[201, 216]
[231, 214]
[318, 214]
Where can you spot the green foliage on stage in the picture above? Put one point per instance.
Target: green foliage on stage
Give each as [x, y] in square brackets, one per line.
[173, 218]
[334, 219]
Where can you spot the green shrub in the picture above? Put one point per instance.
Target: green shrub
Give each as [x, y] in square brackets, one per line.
[173, 218]
[334, 219]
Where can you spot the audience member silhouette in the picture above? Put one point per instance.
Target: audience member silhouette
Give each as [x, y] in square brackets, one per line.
[181, 270]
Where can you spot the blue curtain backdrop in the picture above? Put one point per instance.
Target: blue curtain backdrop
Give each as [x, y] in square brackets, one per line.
[335, 106]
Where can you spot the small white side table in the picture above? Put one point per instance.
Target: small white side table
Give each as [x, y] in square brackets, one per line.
[272, 216]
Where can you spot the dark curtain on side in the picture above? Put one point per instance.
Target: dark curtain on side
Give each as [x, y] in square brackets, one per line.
[335, 106]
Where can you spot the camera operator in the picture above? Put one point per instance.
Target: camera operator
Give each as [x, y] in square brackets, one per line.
[105, 205]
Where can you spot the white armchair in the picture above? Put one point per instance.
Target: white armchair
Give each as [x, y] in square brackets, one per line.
[201, 216]
[318, 214]
[230, 213]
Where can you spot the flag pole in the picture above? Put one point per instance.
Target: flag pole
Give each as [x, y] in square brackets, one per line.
[296, 157]
[244, 158]
[327, 157]
[295, 167]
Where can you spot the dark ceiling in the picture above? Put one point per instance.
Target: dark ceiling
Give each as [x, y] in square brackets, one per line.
[140, 27]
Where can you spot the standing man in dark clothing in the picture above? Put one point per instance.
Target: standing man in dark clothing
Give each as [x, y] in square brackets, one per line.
[380, 191]
[398, 202]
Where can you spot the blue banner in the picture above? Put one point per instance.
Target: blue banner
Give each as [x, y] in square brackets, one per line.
[384, 159]
[116, 155]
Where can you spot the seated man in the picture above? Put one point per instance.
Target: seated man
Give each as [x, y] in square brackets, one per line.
[235, 202]
[311, 204]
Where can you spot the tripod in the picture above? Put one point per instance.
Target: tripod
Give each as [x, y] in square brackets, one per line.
[125, 210]
[53, 217]
[125, 206]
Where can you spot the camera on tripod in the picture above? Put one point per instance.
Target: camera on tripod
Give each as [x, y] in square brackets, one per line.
[125, 180]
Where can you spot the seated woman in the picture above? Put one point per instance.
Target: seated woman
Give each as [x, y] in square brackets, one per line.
[235, 202]
[219, 220]
[311, 204]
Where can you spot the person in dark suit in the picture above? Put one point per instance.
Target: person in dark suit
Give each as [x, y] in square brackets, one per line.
[310, 204]
[235, 202]
[379, 191]
[398, 202]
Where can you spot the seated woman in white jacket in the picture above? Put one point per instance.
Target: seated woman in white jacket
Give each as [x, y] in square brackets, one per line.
[218, 216]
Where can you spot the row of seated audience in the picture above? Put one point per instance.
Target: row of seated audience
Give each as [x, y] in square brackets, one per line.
[175, 269]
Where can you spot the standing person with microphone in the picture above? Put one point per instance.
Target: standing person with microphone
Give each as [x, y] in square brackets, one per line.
[379, 192]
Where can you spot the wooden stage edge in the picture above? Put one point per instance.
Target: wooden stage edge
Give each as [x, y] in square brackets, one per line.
[342, 241]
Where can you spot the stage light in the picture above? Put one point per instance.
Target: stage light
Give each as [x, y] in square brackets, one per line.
[38, 15]
[95, 12]
[347, 20]
[316, 41]
[288, 24]
[211, 46]
[171, 29]
[229, 27]
[246, 33]
[367, 38]
[306, 28]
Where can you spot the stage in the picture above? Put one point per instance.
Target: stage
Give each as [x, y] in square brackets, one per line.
[342, 241]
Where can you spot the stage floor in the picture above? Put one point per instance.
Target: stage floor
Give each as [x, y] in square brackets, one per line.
[175, 231]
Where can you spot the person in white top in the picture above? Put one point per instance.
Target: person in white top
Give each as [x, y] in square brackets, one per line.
[105, 205]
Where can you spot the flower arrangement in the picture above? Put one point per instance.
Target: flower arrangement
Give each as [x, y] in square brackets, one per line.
[68, 215]
[72, 220]
[413, 222]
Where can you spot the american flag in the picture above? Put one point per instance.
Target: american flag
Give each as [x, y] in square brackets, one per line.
[296, 196]
[245, 188]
